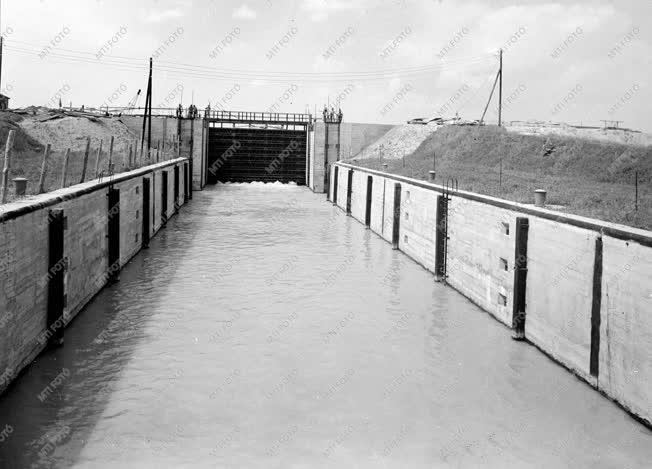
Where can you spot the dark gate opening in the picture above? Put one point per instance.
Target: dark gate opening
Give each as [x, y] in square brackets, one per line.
[248, 155]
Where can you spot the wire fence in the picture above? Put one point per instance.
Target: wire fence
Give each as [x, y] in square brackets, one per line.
[24, 176]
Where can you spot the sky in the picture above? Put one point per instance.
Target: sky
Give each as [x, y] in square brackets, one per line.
[578, 62]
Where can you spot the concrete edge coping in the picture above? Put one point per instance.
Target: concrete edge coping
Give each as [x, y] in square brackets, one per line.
[36, 202]
[613, 230]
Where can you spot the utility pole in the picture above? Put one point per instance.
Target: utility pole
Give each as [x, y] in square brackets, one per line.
[149, 125]
[1, 44]
[148, 112]
[500, 91]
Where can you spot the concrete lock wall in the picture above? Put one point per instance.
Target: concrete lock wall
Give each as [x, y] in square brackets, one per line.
[588, 293]
[353, 137]
[24, 252]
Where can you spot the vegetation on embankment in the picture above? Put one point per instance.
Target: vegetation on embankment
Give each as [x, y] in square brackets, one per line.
[584, 177]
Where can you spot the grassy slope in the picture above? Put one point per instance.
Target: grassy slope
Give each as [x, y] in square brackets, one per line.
[588, 178]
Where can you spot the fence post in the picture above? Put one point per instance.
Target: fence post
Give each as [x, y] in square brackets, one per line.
[97, 160]
[5, 170]
[44, 168]
[64, 170]
[110, 167]
[85, 162]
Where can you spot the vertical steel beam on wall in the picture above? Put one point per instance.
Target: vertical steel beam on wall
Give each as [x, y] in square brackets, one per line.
[396, 226]
[441, 241]
[349, 191]
[520, 277]
[307, 155]
[594, 365]
[164, 198]
[146, 213]
[56, 273]
[176, 189]
[192, 145]
[336, 179]
[185, 183]
[367, 213]
[114, 233]
[326, 165]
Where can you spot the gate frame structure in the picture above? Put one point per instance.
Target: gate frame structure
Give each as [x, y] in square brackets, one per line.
[246, 119]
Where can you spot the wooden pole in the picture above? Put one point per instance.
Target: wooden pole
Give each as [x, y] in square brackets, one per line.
[149, 111]
[111, 155]
[635, 190]
[7, 164]
[85, 162]
[44, 168]
[97, 159]
[165, 132]
[66, 158]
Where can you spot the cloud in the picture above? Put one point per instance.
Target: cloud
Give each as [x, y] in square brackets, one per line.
[244, 13]
[319, 10]
[163, 15]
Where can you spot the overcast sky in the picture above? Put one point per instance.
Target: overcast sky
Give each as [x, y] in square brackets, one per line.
[570, 61]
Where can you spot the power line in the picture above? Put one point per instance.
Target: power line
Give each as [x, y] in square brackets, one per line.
[200, 71]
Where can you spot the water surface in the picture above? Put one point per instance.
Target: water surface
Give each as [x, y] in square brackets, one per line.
[264, 328]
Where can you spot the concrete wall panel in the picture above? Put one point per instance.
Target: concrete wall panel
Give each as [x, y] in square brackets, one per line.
[359, 196]
[559, 292]
[481, 255]
[625, 371]
[418, 225]
[377, 204]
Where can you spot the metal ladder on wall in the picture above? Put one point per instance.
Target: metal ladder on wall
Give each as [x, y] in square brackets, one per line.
[441, 258]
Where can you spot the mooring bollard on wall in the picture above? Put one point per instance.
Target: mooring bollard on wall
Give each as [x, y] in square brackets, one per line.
[20, 185]
[540, 197]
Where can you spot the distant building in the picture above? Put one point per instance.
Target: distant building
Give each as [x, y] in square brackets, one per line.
[4, 102]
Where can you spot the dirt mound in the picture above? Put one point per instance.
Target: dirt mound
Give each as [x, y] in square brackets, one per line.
[623, 136]
[23, 142]
[64, 130]
[398, 142]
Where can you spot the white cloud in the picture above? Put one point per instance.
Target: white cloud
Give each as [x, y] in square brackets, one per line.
[163, 15]
[244, 13]
[319, 10]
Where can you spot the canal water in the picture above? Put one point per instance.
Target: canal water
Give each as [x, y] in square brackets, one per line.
[266, 329]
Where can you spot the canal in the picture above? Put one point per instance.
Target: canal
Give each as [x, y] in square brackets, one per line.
[264, 328]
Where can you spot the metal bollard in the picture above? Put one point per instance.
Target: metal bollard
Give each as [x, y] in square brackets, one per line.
[540, 197]
[20, 185]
